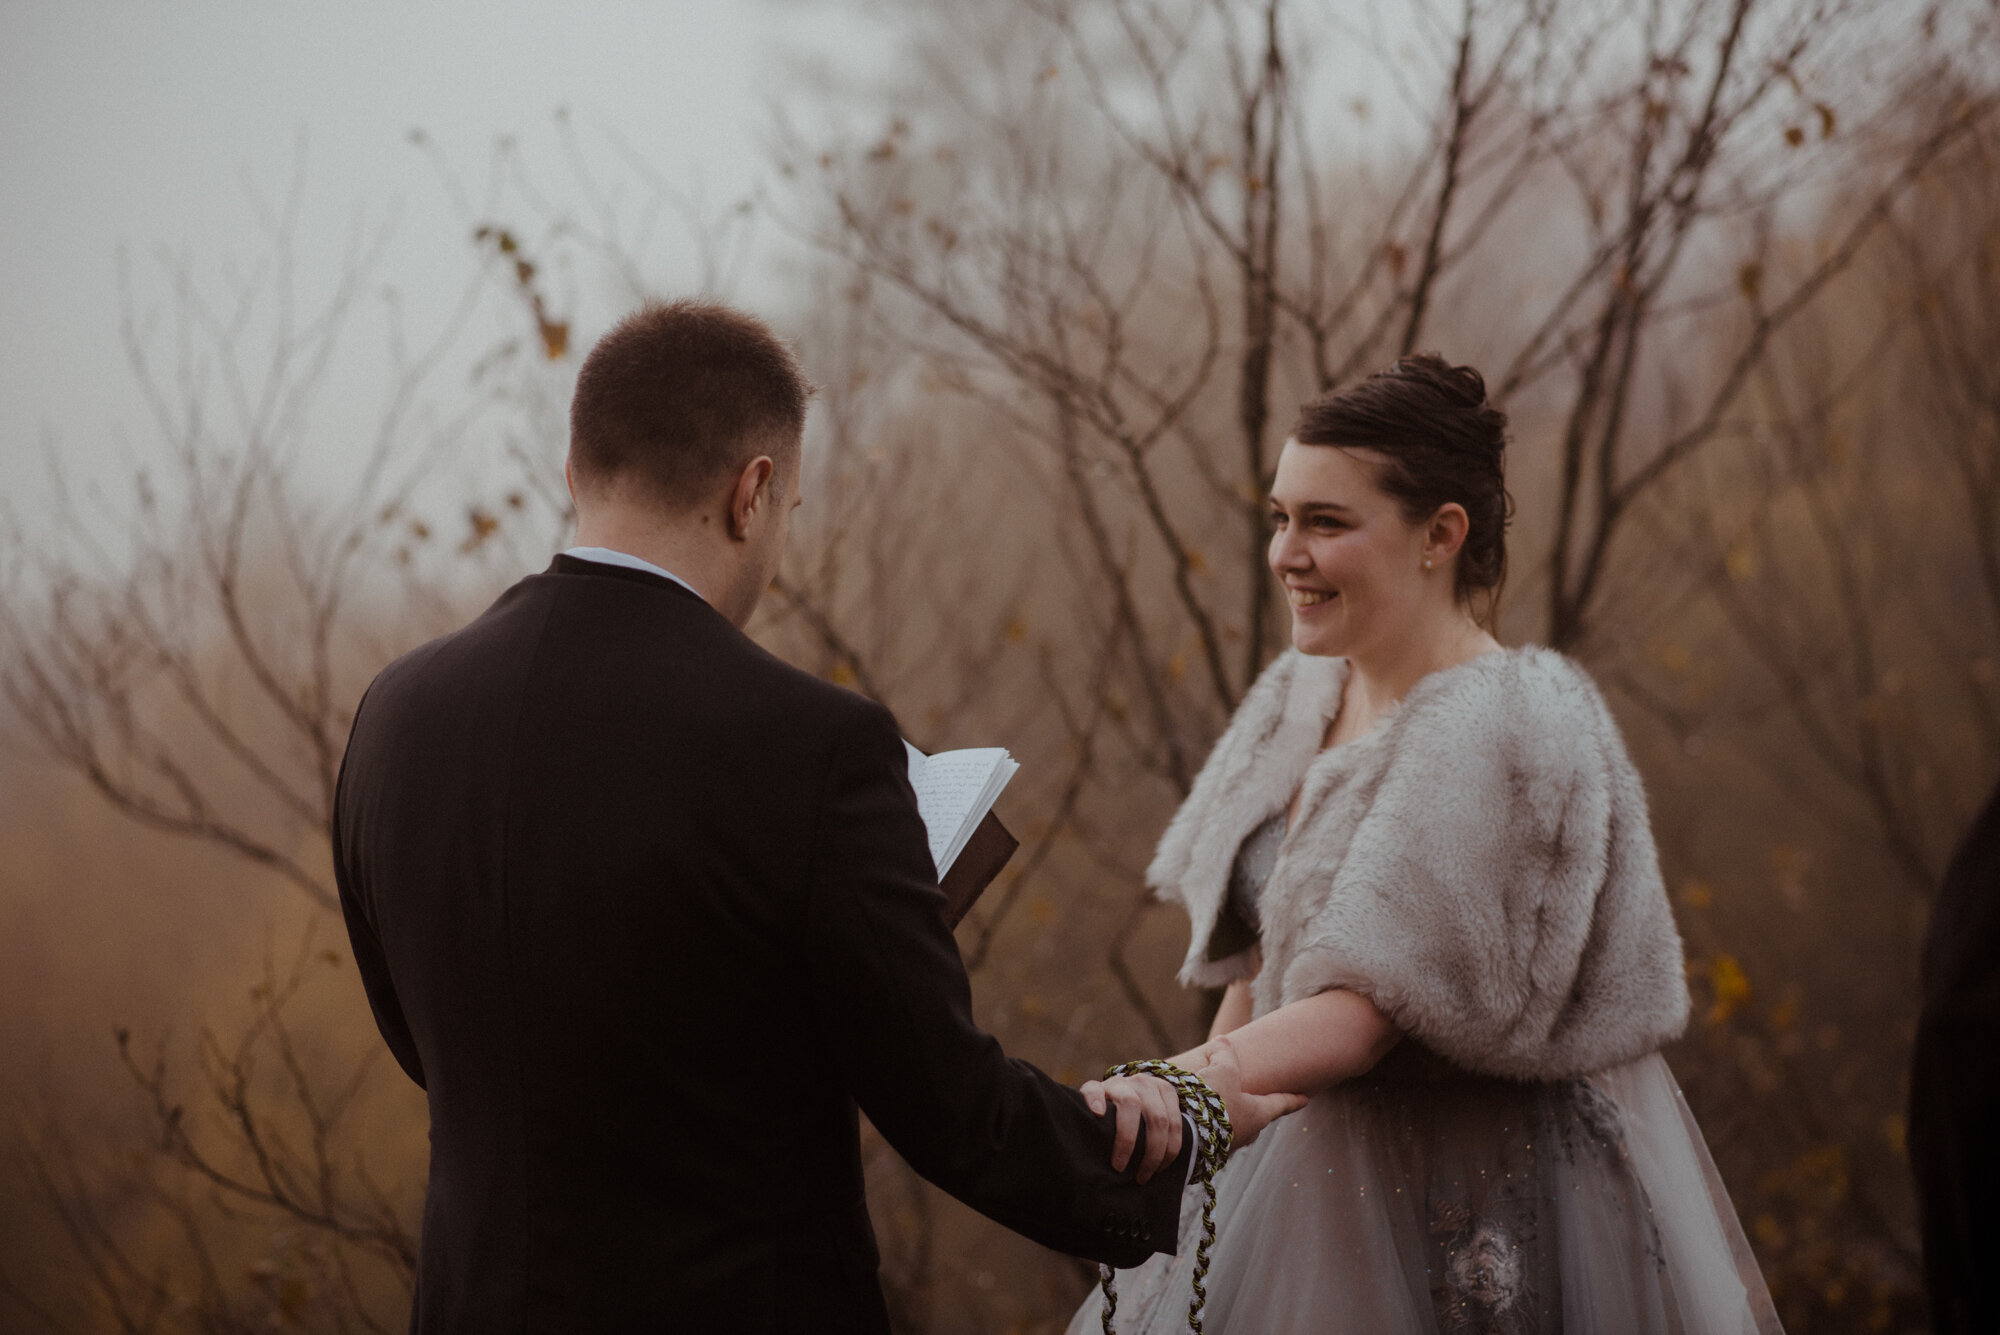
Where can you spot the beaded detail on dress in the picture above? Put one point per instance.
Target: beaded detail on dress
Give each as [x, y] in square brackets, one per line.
[1495, 1171]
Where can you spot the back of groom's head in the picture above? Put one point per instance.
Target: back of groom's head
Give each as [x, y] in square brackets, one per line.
[680, 396]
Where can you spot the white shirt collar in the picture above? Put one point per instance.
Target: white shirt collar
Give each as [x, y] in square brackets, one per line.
[606, 556]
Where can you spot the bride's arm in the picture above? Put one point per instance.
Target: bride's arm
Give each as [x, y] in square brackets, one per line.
[1234, 1012]
[1318, 1041]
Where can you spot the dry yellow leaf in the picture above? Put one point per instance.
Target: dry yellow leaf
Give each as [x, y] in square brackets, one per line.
[1730, 985]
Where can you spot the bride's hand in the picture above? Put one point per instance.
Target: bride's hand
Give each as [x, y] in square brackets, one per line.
[1139, 1098]
[1249, 1113]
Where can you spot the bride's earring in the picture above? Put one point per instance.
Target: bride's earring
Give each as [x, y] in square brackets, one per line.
[1427, 563]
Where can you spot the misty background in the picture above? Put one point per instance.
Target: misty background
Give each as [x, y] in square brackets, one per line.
[295, 296]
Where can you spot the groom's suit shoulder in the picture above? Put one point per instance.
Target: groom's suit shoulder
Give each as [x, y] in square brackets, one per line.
[591, 697]
[605, 637]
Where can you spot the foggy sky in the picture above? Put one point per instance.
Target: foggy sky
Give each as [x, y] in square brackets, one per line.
[151, 125]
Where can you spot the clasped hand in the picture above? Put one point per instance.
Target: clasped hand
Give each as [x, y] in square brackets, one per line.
[1150, 1100]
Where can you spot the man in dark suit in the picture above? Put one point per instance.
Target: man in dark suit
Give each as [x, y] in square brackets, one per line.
[1955, 1087]
[648, 913]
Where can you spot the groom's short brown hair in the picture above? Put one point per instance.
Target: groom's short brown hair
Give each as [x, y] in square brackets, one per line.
[680, 395]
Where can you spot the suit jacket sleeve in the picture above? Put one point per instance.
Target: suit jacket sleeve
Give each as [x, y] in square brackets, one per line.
[369, 959]
[893, 997]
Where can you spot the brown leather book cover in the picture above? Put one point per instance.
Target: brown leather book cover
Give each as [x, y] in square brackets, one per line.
[984, 854]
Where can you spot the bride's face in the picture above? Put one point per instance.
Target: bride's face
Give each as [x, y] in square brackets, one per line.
[1351, 564]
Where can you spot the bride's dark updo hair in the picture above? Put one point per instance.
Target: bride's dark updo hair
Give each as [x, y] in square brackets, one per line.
[1441, 441]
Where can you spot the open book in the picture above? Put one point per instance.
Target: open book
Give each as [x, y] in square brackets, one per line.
[956, 791]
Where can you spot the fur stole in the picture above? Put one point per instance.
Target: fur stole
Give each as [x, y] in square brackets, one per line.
[1480, 866]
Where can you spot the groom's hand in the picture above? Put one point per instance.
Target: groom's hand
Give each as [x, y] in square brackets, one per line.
[1139, 1098]
[1249, 1113]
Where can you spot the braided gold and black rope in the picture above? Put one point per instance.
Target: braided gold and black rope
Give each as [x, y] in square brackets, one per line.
[1204, 1107]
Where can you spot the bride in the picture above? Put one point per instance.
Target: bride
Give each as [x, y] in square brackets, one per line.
[1420, 864]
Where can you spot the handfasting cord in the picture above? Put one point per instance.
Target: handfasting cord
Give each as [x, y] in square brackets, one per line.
[1203, 1106]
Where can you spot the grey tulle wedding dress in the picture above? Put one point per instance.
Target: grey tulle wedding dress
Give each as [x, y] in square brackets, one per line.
[1422, 1199]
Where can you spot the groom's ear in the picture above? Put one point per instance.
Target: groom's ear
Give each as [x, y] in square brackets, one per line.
[750, 496]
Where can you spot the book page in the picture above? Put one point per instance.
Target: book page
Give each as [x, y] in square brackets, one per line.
[950, 788]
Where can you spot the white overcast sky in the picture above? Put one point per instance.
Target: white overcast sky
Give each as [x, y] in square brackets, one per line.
[143, 125]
